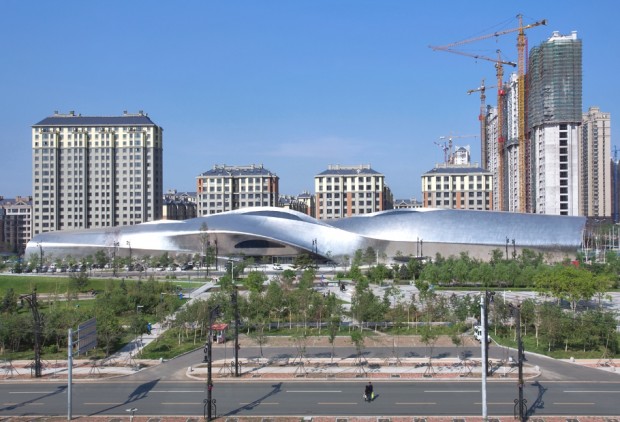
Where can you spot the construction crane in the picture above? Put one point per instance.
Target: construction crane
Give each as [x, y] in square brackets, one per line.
[524, 153]
[521, 42]
[483, 129]
[446, 146]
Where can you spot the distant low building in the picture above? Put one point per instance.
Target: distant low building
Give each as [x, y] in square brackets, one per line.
[345, 191]
[15, 224]
[466, 187]
[308, 199]
[227, 188]
[293, 203]
[407, 204]
[179, 205]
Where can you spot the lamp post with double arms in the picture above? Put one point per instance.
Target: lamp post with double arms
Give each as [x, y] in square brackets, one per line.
[210, 400]
[520, 409]
[40, 257]
[129, 246]
[116, 245]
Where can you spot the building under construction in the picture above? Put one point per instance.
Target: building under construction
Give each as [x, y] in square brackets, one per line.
[554, 116]
[540, 175]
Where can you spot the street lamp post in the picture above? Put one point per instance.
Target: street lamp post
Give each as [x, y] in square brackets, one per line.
[207, 257]
[34, 307]
[40, 257]
[507, 242]
[129, 246]
[138, 309]
[236, 311]
[116, 244]
[210, 401]
[520, 409]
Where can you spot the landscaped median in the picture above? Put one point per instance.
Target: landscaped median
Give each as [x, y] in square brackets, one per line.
[379, 368]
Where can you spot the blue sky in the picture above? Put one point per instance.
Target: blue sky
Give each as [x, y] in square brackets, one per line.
[293, 85]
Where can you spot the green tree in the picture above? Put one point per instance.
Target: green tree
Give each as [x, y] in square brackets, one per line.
[254, 281]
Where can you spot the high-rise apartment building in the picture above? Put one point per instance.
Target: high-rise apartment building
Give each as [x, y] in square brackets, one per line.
[493, 133]
[615, 189]
[95, 171]
[515, 171]
[226, 188]
[596, 187]
[554, 120]
[15, 224]
[344, 191]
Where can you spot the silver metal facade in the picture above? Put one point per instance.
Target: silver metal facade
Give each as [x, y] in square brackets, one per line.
[273, 231]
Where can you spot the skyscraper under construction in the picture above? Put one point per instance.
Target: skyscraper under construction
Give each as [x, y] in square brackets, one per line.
[554, 116]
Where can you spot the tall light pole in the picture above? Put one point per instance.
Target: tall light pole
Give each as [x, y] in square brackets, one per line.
[129, 246]
[34, 307]
[483, 351]
[210, 401]
[234, 297]
[40, 257]
[520, 409]
[116, 244]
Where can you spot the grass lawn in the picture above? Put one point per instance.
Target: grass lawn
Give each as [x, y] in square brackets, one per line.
[24, 284]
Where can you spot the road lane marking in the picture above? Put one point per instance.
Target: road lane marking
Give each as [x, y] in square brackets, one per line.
[579, 404]
[259, 403]
[314, 391]
[592, 391]
[452, 391]
[336, 403]
[416, 403]
[99, 403]
[497, 403]
[23, 404]
[177, 403]
[177, 391]
[32, 392]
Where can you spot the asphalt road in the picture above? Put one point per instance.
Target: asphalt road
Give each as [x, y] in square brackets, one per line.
[562, 389]
[436, 398]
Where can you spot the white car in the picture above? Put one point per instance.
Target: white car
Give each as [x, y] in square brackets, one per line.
[478, 334]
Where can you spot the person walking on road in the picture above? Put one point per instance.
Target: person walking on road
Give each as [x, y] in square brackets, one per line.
[368, 392]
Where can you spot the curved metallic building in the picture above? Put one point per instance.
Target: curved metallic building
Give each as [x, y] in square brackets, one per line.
[281, 232]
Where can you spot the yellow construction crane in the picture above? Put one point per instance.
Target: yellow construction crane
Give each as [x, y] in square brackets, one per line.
[524, 153]
[483, 129]
[521, 43]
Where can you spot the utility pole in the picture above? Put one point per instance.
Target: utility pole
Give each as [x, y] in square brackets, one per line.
[210, 403]
[484, 351]
[40, 257]
[235, 304]
[34, 307]
[520, 409]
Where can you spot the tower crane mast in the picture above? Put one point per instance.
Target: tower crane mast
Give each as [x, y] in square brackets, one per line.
[482, 118]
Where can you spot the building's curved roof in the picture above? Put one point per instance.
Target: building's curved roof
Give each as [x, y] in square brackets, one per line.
[243, 231]
[467, 227]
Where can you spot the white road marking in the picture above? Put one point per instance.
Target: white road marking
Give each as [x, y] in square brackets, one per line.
[314, 391]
